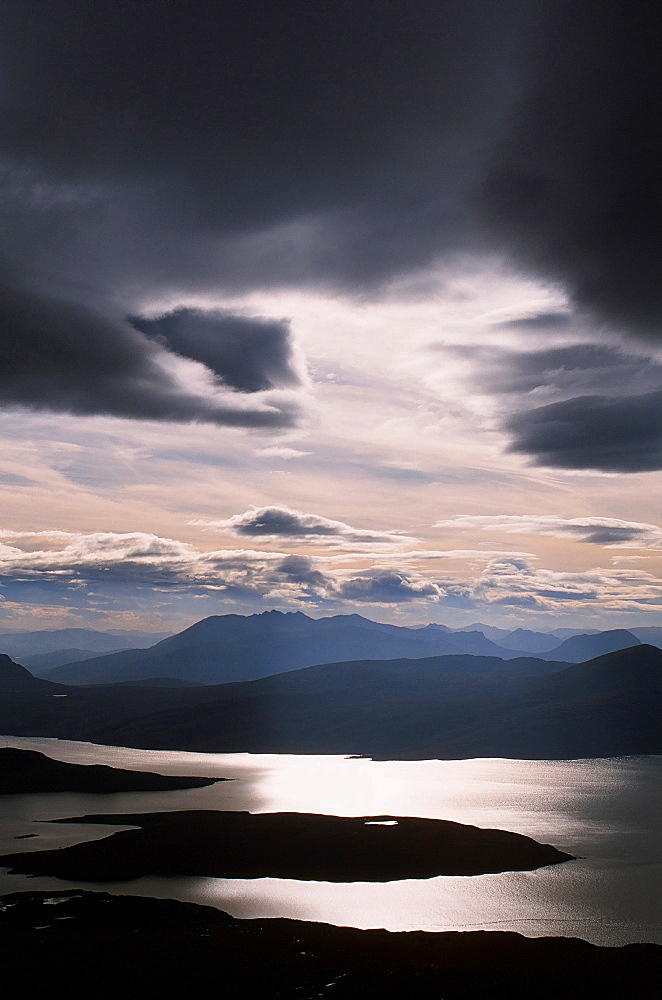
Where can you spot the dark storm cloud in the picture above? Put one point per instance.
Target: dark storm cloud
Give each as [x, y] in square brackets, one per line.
[168, 149]
[593, 432]
[67, 357]
[153, 149]
[579, 367]
[199, 121]
[573, 189]
[247, 354]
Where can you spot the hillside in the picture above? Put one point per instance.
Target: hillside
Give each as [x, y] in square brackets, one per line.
[14, 677]
[448, 707]
[166, 948]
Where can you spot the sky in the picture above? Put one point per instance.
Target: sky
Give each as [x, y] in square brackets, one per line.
[330, 307]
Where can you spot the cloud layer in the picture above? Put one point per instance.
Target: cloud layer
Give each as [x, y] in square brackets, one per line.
[565, 371]
[62, 564]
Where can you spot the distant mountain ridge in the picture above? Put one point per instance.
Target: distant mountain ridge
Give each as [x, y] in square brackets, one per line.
[45, 642]
[228, 648]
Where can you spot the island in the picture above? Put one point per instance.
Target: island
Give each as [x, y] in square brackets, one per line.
[28, 771]
[285, 845]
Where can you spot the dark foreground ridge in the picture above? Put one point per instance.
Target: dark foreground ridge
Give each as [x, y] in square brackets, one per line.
[29, 771]
[440, 707]
[83, 944]
[286, 845]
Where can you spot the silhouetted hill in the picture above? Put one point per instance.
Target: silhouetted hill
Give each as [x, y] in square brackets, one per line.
[164, 682]
[638, 667]
[492, 632]
[14, 677]
[228, 648]
[448, 707]
[583, 647]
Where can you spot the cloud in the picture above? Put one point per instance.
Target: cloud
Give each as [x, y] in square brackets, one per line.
[283, 522]
[603, 403]
[608, 531]
[70, 561]
[572, 189]
[557, 372]
[388, 587]
[249, 355]
[281, 452]
[63, 356]
[518, 584]
[545, 321]
[132, 558]
[568, 370]
[301, 570]
[161, 159]
[592, 432]
[194, 129]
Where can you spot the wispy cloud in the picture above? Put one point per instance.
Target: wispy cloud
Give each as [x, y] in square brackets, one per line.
[282, 452]
[608, 531]
[516, 583]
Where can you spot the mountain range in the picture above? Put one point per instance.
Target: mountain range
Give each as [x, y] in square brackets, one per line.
[229, 648]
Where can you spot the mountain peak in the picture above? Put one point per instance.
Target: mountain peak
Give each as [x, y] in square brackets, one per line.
[273, 613]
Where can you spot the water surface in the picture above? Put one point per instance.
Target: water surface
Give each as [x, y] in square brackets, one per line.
[606, 812]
